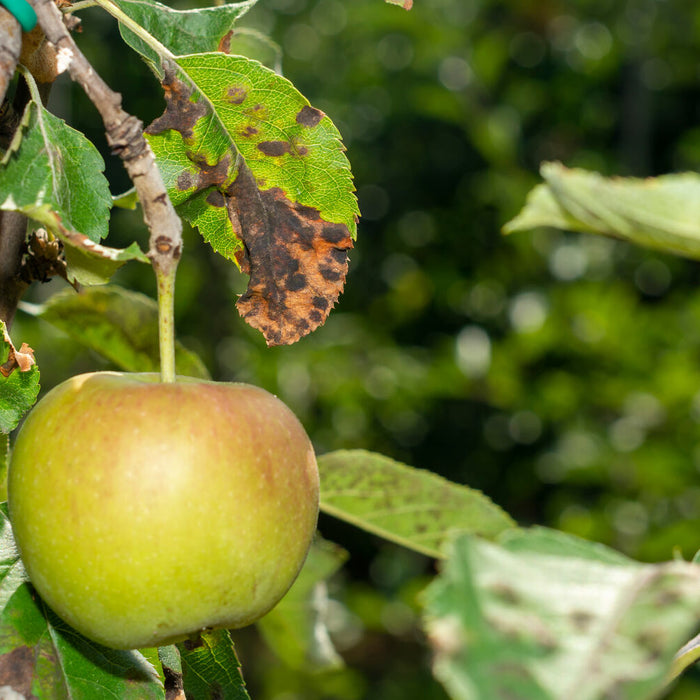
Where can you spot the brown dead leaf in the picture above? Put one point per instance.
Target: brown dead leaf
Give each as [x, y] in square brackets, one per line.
[297, 262]
[22, 359]
[17, 671]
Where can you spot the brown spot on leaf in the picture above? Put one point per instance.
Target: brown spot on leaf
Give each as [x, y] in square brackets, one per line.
[249, 131]
[17, 670]
[174, 686]
[296, 272]
[216, 199]
[274, 148]
[237, 95]
[407, 4]
[301, 150]
[309, 116]
[184, 181]
[211, 174]
[225, 42]
[181, 114]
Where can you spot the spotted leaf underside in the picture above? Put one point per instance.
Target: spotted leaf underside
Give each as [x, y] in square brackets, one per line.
[264, 177]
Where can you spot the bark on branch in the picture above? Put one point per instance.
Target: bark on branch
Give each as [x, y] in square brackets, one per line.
[125, 136]
[10, 47]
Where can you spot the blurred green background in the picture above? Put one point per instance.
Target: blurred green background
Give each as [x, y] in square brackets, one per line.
[558, 373]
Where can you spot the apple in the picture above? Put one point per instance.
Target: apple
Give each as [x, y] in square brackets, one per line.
[145, 511]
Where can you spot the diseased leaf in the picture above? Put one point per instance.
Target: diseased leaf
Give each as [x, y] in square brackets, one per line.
[264, 177]
[406, 4]
[545, 615]
[211, 668]
[120, 325]
[54, 175]
[661, 213]
[19, 381]
[296, 627]
[182, 31]
[413, 507]
[41, 657]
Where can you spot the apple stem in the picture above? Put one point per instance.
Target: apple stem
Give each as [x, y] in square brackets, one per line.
[166, 321]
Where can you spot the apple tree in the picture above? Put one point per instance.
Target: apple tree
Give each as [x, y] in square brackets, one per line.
[107, 586]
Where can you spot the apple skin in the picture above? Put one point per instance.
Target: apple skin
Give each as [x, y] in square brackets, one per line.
[145, 512]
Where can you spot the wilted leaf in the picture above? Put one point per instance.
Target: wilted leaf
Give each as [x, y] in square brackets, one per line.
[54, 175]
[296, 627]
[182, 31]
[263, 176]
[413, 507]
[662, 212]
[41, 657]
[211, 668]
[544, 616]
[19, 382]
[120, 325]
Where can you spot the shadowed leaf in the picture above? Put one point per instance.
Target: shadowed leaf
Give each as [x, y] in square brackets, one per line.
[183, 31]
[296, 627]
[210, 668]
[42, 657]
[120, 325]
[412, 507]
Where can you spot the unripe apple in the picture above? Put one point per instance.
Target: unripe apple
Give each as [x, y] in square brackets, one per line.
[147, 511]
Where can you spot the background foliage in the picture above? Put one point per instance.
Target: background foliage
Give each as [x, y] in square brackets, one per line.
[556, 372]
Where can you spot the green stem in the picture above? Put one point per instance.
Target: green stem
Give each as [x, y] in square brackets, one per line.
[166, 322]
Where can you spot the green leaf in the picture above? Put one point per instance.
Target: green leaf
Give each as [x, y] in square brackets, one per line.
[42, 657]
[91, 263]
[211, 668]
[126, 200]
[55, 176]
[296, 627]
[182, 31]
[18, 390]
[661, 213]
[412, 507]
[543, 616]
[120, 325]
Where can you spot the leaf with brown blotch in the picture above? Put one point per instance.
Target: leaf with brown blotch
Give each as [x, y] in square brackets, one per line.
[296, 261]
[264, 177]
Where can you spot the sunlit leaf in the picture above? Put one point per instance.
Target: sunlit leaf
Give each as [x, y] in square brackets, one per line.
[41, 657]
[544, 615]
[120, 325]
[211, 668]
[413, 507]
[661, 212]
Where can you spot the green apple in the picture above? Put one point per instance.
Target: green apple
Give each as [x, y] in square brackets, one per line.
[147, 511]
